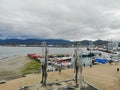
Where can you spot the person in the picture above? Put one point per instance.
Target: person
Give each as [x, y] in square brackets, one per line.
[90, 65]
[110, 61]
[93, 61]
[84, 64]
[117, 69]
[59, 71]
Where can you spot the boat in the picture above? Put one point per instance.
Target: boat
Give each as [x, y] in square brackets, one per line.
[84, 54]
[101, 60]
[34, 56]
[2, 81]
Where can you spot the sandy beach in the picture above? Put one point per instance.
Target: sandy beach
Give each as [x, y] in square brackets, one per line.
[103, 76]
[10, 68]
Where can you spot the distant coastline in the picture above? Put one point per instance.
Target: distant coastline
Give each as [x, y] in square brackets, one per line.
[51, 42]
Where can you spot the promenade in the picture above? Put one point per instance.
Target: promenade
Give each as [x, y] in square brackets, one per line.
[104, 77]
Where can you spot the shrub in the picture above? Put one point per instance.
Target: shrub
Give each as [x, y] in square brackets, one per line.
[31, 67]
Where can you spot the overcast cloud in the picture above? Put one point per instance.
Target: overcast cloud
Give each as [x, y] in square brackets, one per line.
[60, 19]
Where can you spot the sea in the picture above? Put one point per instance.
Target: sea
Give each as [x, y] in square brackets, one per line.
[7, 52]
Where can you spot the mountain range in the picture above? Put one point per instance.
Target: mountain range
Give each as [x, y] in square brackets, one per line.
[34, 41]
[51, 42]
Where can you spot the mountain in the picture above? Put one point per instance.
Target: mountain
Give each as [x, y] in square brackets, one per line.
[51, 42]
[100, 42]
[88, 42]
[34, 41]
[85, 42]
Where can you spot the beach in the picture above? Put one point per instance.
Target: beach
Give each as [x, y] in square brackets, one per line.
[10, 68]
[103, 76]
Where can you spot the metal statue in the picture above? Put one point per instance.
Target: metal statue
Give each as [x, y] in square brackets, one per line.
[78, 68]
[44, 65]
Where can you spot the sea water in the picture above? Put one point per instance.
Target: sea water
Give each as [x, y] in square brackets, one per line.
[6, 52]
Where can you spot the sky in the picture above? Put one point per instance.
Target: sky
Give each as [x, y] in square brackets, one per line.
[60, 19]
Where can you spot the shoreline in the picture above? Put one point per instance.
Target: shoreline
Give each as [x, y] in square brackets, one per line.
[10, 57]
[10, 68]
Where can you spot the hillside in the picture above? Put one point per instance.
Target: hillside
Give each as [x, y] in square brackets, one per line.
[51, 42]
[34, 41]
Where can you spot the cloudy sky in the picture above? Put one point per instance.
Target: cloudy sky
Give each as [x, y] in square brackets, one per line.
[60, 19]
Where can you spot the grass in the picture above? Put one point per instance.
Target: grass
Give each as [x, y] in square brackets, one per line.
[31, 67]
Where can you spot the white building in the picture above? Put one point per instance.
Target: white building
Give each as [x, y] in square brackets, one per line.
[112, 45]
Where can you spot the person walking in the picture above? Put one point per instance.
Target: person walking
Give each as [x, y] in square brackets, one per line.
[59, 71]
